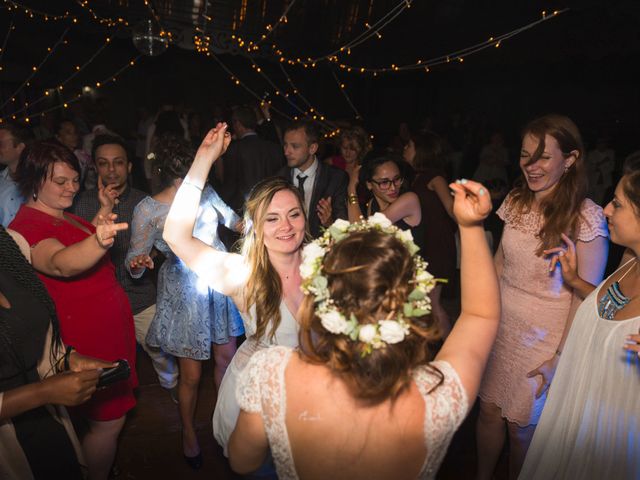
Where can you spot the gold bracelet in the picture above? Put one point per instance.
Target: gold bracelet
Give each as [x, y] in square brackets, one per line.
[353, 199]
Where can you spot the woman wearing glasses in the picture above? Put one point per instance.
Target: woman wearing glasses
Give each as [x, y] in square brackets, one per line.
[383, 178]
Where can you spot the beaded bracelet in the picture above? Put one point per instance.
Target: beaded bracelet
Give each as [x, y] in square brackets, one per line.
[353, 199]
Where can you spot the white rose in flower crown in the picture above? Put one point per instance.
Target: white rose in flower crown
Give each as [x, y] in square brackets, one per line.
[311, 252]
[334, 322]
[341, 224]
[367, 333]
[391, 331]
[379, 219]
[404, 236]
[307, 269]
[423, 276]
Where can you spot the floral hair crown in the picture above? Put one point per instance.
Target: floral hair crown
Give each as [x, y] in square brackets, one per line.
[314, 282]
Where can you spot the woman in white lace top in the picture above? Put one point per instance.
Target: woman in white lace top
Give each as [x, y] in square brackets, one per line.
[360, 399]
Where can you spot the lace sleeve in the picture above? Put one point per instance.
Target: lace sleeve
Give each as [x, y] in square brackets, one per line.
[504, 210]
[143, 234]
[446, 406]
[260, 379]
[226, 215]
[593, 222]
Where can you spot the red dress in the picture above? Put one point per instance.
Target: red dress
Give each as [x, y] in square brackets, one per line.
[93, 310]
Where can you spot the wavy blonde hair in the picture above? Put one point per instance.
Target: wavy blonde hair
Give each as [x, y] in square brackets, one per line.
[264, 289]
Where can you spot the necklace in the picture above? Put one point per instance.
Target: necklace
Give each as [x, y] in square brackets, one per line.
[613, 299]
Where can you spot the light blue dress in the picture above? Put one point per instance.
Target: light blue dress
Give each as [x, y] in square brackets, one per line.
[189, 315]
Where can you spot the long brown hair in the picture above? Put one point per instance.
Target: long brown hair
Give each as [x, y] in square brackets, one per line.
[561, 209]
[263, 289]
[369, 275]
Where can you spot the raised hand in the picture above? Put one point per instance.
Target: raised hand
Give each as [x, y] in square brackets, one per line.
[214, 144]
[325, 211]
[472, 202]
[354, 177]
[107, 195]
[106, 230]
[141, 261]
[567, 258]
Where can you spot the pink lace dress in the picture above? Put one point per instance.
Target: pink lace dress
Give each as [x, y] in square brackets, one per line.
[262, 390]
[535, 306]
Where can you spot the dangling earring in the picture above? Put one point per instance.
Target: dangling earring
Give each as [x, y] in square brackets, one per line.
[34, 196]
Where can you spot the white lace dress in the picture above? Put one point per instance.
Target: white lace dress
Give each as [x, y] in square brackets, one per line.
[262, 390]
[227, 409]
[590, 426]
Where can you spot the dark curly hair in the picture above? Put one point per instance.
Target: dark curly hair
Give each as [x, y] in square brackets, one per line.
[173, 157]
[13, 262]
[369, 275]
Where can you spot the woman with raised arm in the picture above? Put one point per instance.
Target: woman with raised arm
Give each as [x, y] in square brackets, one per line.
[263, 281]
[549, 200]
[191, 319]
[360, 399]
[590, 427]
[70, 256]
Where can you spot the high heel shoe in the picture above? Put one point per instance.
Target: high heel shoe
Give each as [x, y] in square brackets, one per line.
[194, 462]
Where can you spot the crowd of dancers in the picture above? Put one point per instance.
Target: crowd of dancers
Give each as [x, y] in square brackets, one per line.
[334, 356]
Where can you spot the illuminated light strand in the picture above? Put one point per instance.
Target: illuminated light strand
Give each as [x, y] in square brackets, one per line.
[238, 82]
[313, 112]
[282, 19]
[457, 55]
[6, 40]
[50, 51]
[66, 103]
[109, 22]
[344, 93]
[77, 70]
[311, 108]
[31, 12]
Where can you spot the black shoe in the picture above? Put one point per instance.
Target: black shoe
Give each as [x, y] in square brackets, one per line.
[194, 462]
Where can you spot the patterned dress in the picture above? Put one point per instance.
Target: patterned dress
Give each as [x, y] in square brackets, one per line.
[189, 315]
[535, 306]
[262, 390]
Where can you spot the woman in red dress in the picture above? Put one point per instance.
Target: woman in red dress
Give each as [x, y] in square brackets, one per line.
[70, 257]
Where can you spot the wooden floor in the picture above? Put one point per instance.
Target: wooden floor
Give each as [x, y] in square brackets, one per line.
[150, 445]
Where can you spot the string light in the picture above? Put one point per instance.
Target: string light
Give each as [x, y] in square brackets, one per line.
[4, 43]
[345, 95]
[458, 55]
[31, 13]
[108, 22]
[35, 69]
[281, 19]
[75, 98]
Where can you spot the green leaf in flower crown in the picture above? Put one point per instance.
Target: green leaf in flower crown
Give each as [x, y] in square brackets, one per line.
[353, 327]
[407, 309]
[416, 294]
[413, 248]
[418, 312]
[320, 282]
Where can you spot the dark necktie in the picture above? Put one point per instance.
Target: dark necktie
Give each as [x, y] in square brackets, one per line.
[301, 179]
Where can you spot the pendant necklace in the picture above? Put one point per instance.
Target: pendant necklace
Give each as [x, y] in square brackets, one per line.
[613, 299]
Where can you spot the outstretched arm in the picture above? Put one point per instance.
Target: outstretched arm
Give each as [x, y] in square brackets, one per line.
[225, 272]
[468, 345]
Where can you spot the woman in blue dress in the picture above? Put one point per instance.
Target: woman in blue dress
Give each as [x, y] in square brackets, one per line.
[190, 317]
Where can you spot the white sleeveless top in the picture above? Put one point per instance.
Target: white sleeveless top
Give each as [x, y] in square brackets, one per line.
[590, 426]
[262, 390]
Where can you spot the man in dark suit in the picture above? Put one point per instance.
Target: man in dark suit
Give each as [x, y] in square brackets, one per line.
[323, 186]
[248, 159]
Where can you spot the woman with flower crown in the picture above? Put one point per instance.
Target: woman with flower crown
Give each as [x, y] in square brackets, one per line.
[359, 399]
[263, 281]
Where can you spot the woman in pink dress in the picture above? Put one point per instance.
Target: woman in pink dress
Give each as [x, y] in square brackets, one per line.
[548, 201]
[70, 256]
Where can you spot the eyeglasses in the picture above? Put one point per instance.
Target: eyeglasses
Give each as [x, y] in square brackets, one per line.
[386, 183]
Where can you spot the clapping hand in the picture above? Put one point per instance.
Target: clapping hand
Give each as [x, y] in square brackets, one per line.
[472, 203]
[107, 229]
[107, 195]
[215, 143]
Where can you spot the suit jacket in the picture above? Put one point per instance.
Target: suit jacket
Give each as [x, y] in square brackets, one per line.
[245, 163]
[330, 182]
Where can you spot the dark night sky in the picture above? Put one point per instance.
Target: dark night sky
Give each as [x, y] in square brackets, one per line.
[579, 63]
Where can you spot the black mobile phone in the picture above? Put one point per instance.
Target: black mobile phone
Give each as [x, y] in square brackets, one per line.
[114, 374]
